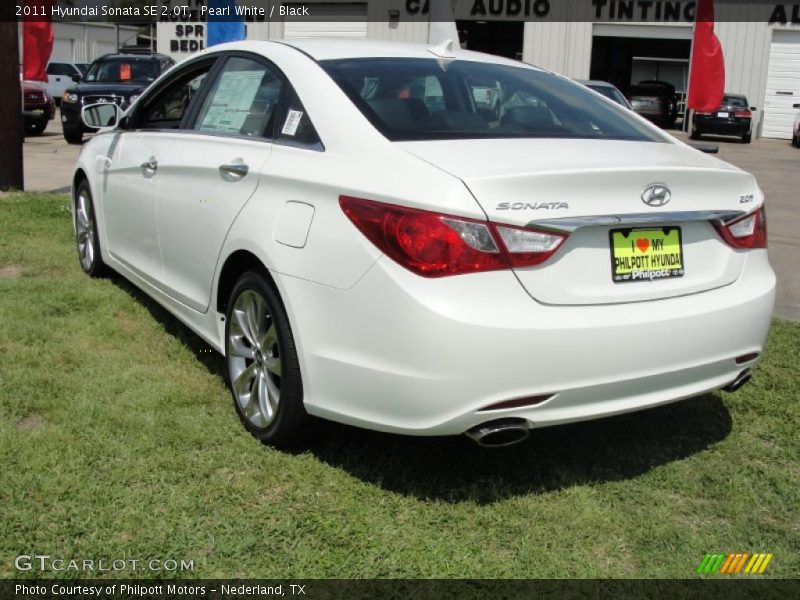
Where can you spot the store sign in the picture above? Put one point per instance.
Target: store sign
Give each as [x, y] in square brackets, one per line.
[634, 11]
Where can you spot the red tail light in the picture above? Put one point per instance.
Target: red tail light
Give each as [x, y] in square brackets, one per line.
[437, 245]
[743, 113]
[749, 231]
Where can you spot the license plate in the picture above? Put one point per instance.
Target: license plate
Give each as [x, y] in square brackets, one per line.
[723, 115]
[38, 111]
[646, 254]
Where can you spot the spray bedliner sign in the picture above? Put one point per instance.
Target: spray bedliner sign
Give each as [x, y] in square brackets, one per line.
[646, 254]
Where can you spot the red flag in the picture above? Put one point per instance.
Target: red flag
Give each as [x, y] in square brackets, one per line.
[707, 81]
[37, 41]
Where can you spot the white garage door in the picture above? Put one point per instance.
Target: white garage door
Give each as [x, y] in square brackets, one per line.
[62, 50]
[99, 48]
[347, 19]
[783, 85]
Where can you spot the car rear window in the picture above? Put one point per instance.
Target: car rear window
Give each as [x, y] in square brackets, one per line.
[429, 99]
[735, 101]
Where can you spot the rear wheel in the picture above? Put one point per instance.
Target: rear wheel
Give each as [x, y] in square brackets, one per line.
[262, 361]
[86, 235]
[695, 135]
[746, 138]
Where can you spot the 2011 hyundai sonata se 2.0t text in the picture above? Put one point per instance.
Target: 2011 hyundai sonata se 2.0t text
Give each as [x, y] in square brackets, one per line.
[425, 240]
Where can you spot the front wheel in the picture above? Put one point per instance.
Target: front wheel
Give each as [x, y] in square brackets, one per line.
[86, 236]
[73, 137]
[36, 128]
[694, 135]
[262, 361]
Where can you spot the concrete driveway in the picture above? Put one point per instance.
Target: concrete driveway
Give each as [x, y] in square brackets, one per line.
[49, 161]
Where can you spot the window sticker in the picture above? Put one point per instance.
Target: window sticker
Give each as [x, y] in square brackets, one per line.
[292, 122]
[232, 101]
[125, 72]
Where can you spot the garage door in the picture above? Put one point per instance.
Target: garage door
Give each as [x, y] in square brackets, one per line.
[343, 19]
[783, 84]
[62, 51]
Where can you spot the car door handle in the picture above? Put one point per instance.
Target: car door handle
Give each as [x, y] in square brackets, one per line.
[233, 171]
[150, 166]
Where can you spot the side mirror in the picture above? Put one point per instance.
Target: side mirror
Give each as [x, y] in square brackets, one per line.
[753, 108]
[796, 106]
[101, 116]
[76, 78]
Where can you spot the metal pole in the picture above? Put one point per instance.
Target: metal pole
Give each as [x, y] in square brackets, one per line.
[11, 127]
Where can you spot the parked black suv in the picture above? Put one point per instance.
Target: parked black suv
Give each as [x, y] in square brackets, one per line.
[113, 78]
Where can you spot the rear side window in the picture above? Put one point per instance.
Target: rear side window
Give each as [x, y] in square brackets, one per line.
[428, 99]
[294, 125]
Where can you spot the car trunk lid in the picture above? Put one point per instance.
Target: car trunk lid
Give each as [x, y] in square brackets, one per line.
[588, 188]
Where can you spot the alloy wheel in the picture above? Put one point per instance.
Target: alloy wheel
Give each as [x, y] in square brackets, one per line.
[85, 227]
[254, 359]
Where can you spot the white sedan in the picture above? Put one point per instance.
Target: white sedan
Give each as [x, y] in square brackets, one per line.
[426, 241]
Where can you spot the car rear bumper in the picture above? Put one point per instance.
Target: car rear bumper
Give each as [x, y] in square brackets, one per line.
[404, 354]
[722, 127]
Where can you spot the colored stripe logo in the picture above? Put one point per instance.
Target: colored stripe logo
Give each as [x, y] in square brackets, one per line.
[734, 564]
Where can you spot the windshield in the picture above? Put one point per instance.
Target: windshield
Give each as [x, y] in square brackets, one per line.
[122, 70]
[610, 92]
[429, 99]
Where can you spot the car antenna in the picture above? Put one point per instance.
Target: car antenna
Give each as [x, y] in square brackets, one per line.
[443, 50]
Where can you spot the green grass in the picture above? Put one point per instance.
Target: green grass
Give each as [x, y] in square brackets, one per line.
[118, 439]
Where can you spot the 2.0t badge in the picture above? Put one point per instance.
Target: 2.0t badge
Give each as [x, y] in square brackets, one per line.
[656, 194]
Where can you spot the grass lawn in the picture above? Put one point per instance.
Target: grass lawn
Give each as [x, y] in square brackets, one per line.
[118, 439]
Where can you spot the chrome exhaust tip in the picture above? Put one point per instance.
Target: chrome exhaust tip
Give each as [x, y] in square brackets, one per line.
[740, 380]
[500, 433]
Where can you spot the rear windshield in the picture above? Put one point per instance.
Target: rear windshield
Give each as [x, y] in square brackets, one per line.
[735, 101]
[122, 70]
[428, 99]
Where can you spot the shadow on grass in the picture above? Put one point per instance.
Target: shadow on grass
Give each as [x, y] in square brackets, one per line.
[454, 469]
[204, 353]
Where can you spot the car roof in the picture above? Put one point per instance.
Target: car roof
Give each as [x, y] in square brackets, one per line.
[340, 48]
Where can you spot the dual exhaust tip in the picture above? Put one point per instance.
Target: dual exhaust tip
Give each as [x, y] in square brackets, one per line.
[741, 379]
[500, 433]
[507, 432]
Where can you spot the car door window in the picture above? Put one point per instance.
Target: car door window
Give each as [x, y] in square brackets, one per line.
[168, 107]
[242, 101]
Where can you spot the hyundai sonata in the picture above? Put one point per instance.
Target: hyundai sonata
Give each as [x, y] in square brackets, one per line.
[425, 240]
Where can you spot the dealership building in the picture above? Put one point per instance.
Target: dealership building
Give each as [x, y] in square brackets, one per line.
[610, 40]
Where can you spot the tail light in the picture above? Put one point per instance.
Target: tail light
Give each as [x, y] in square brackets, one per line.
[437, 245]
[749, 231]
[743, 114]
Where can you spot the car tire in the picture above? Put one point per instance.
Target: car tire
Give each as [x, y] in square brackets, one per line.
[87, 237]
[746, 138]
[694, 135]
[73, 137]
[796, 141]
[36, 128]
[263, 368]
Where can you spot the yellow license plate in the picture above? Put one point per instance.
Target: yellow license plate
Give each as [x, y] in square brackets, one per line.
[646, 254]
